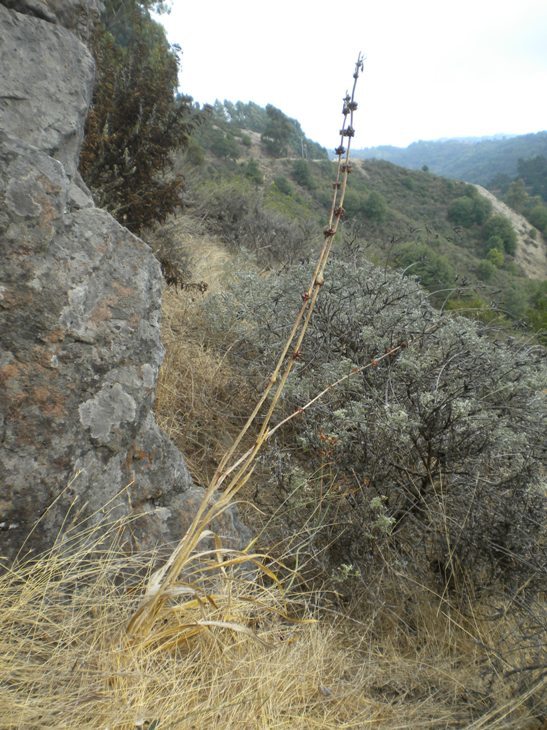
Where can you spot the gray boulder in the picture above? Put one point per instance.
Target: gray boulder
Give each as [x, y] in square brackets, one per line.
[80, 307]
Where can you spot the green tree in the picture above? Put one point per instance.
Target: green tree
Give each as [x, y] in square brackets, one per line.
[253, 172]
[495, 255]
[277, 134]
[516, 196]
[538, 217]
[432, 269]
[460, 211]
[486, 269]
[223, 145]
[136, 119]
[534, 173]
[374, 207]
[469, 209]
[501, 227]
[283, 185]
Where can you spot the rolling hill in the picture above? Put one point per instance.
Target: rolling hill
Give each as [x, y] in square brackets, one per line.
[473, 160]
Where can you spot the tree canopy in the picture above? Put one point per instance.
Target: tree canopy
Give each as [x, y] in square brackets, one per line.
[136, 119]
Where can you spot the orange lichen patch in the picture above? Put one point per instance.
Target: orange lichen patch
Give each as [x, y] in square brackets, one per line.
[12, 298]
[57, 335]
[50, 401]
[136, 454]
[41, 362]
[101, 312]
[123, 291]
[9, 371]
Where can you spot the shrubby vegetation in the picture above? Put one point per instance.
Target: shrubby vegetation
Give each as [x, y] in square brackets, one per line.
[402, 217]
[439, 444]
[238, 213]
[527, 193]
[469, 209]
[498, 233]
[432, 269]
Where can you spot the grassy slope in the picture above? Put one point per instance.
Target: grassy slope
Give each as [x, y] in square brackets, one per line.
[415, 222]
[65, 661]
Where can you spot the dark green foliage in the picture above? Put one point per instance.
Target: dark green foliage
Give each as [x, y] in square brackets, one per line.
[496, 228]
[432, 269]
[461, 212]
[469, 209]
[374, 207]
[277, 133]
[135, 121]
[538, 217]
[371, 206]
[495, 252]
[514, 301]
[253, 172]
[486, 270]
[194, 153]
[283, 185]
[242, 115]
[444, 436]
[531, 207]
[516, 196]
[533, 172]
[482, 207]
[495, 242]
[527, 194]
[281, 136]
[301, 173]
[223, 145]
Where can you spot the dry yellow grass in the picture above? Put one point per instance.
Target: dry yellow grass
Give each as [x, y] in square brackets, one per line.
[201, 401]
[234, 652]
[411, 661]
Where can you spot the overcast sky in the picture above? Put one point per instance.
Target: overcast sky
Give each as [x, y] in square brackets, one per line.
[433, 68]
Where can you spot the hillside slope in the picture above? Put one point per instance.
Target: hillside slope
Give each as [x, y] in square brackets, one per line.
[276, 207]
[531, 253]
[476, 161]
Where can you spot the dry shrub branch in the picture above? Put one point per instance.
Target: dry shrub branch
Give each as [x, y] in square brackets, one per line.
[237, 470]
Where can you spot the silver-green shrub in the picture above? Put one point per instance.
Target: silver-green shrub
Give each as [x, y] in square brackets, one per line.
[445, 433]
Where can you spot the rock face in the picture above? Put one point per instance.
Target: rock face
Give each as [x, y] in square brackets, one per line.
[80, 305]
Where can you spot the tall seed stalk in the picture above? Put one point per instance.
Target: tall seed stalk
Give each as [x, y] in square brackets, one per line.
[239, 469]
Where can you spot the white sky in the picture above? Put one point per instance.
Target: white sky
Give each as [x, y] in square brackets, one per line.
[433, 68]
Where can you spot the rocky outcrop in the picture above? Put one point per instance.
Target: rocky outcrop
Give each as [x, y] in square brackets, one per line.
[80, 306]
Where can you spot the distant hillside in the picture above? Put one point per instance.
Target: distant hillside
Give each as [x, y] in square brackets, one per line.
[226, 127]
[459, 243]
[476, 161]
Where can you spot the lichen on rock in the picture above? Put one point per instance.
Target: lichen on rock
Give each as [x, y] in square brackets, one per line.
[80, 298]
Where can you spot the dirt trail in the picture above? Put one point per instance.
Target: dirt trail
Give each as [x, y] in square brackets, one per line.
[531, 254]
